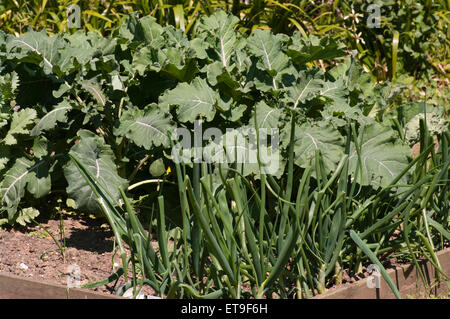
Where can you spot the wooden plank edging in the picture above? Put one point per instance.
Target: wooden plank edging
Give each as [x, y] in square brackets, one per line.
[15, 287]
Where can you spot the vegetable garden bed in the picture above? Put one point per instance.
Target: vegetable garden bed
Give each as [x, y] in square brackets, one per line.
[310, 170]
[405, 278]
[36, 282]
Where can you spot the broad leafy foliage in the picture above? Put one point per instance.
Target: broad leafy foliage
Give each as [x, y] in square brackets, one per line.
[381, 156]
[99, 159]
[147, 128]
[114, 101]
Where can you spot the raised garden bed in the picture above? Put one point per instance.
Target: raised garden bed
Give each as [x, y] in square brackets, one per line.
[40, 282]
[310, 171]
[405, 277]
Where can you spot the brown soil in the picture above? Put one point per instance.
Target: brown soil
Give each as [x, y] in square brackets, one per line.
[89, 244]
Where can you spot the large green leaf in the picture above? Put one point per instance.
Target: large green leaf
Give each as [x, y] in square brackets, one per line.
[147, 58]
[337, 109]
[266, 117]
[307, 87]
[79, 48]
[326, 139]
[147, 128]
[239, 148]
[221, 36]
[36, 47]
[99, 159]
[306, 50]
[12, 187]
[382, 155]
[340, 114]
[84, 49]
[49, 120]
[335, 91]
[39, 180]
[174, 57]
[267, 46]
[24, 172]
[193, 100]
[145, 29]
[95, 90]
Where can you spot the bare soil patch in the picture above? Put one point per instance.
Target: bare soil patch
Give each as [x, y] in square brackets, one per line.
[30, 252]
